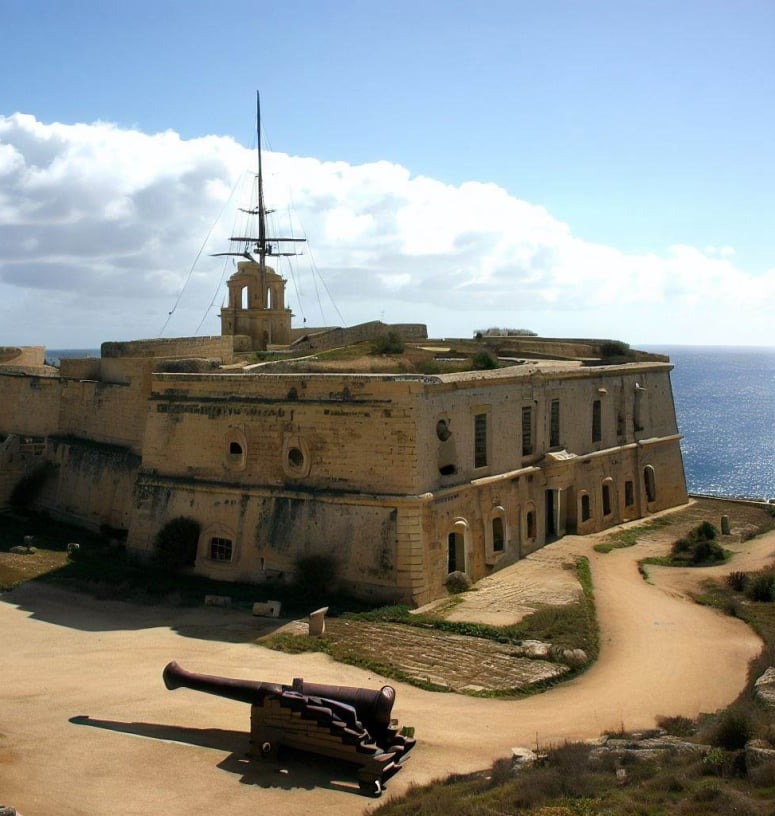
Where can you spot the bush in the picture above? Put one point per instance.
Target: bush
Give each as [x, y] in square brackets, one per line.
[733, 729]
[737, 581]
[390, 343]
[315, 575]
[614, 348]
[677, 726]
[458, 582]
[761, 587]
[176, 544]
[707, 552]
[703, 532]
[483, 360]
[699, 546]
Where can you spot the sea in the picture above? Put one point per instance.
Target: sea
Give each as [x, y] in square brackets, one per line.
[725, 404]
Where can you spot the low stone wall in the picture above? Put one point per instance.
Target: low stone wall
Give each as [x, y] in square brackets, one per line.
[333, 338]
[23, 356]
[221, 347]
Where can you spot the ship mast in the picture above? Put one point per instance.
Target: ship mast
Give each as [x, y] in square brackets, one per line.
[261, 207]
[262, 245]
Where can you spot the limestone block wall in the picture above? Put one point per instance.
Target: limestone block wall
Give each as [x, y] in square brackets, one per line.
[302, 432]
[23, 356]
[80, 368]
[91, 485]
[269, 531]
[634, 402]
[29, 405]
[219, 346]
[19, 456]
[103, 412]
[317, 340]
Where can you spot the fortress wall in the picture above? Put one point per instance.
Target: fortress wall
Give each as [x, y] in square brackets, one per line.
[91, 485]
[270, 533]
[29, 404]
[221, 347]
[23, 356]
[17, 459]
[103, 412]
[362, 445]
[365, 444]
[80, 368]
[332, 338]
[135, 371]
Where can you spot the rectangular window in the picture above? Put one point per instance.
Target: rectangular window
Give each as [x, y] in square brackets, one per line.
[597, 423]
[554, 424]
[606, 500]
[527, 431]
[585, 509]
[480, 440]
[498, 539]
[220, 549]
[531, 524]
[629, 494]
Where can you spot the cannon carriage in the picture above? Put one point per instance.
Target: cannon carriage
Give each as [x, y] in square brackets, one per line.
[342, 722]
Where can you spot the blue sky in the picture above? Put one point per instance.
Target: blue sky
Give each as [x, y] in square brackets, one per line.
[581, 169]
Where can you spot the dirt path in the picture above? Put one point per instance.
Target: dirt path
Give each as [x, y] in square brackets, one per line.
[87, 728]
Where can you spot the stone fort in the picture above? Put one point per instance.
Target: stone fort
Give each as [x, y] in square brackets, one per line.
[401, 477]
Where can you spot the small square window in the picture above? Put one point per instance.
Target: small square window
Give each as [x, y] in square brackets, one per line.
[221, 549]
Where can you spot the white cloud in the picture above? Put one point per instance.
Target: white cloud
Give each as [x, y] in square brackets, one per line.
[99, 228]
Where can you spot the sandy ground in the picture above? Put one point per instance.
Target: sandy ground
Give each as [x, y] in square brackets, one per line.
[87, 727]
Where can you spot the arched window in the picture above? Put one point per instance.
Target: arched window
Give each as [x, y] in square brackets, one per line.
[498, 536]
[458, 544]
[650, 482]
[606, 498]
[530, 521]
[236, 449]
[586, 507]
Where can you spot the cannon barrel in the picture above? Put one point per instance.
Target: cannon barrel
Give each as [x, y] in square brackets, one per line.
[372, 707]
[245, 691]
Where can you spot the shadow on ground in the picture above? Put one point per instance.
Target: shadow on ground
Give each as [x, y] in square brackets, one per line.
[295, 769]
[62, 607]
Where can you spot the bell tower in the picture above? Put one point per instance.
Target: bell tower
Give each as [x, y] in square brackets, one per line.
[256, 306]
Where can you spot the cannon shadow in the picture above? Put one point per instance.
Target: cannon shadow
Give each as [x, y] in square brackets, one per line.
[294, 769]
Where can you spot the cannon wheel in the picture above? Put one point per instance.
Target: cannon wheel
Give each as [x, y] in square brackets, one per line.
[371, 788]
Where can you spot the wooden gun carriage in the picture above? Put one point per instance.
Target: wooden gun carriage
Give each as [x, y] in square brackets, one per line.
[342, 722]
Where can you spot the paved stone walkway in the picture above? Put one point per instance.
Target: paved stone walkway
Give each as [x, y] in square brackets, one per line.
[454, 662]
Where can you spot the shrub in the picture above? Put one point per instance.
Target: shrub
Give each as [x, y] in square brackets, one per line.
[707, 552]
[760, 587]
[316, 574]
[703, 532]
[483, 360]
[737, 580]
[614, 348]
[176, 543]
[677, 726]
[458, 582]
[390, 343]
[733, 729]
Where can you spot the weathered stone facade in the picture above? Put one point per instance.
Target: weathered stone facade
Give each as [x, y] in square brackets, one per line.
[402, 479]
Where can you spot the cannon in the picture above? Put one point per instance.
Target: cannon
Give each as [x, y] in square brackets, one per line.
[343, 722]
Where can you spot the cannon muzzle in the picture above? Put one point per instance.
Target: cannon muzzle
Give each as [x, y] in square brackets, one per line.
[245, 691]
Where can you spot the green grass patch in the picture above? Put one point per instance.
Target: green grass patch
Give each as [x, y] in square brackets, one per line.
[629, 536]
[570, 626]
